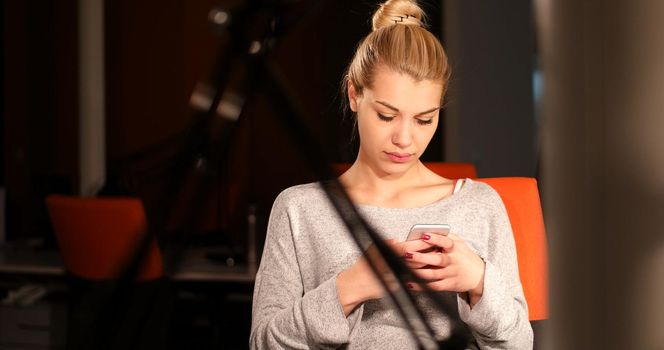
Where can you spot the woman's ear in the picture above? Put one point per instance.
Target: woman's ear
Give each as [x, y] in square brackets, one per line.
[352, 97]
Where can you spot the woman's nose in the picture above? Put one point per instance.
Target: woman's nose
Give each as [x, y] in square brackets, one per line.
[401, 135]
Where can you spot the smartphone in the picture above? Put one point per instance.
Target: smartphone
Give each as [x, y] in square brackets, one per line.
[417, 231]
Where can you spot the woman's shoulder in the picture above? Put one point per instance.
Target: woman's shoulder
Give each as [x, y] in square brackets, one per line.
[300, 194]
[481, 194]
[479, 202]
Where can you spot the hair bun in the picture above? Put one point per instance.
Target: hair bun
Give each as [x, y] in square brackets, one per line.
[393, 12]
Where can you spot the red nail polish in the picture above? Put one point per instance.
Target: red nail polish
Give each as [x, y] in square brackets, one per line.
[408, 255]
[426, 237]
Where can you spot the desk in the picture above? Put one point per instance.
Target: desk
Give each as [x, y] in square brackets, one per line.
[202, 290]
[193, 267]
[30, 262]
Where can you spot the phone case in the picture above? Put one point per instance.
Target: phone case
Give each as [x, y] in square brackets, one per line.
[417, 230]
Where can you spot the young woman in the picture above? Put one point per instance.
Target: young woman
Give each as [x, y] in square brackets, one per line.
[314, 290]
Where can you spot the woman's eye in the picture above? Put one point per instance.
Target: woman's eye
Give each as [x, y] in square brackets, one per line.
[424, 121]
[385, 118]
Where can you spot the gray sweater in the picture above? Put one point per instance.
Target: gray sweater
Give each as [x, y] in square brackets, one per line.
[295, 300]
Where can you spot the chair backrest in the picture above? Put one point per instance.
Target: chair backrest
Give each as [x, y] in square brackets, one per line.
[453, 170]
[444, 169]
[98, 237]
[522, 201]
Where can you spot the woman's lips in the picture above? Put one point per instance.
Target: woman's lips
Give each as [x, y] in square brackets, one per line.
[399, 157]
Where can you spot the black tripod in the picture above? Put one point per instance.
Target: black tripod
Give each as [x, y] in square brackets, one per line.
[254, 31]
[263, 75]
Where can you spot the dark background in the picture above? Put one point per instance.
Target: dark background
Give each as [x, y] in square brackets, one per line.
[600, 119]
[598, 156]
[155, 53]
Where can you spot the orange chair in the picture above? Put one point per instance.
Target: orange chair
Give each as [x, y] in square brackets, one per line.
[522, 201]
[98, 237]
[444, 169]
[453, 170]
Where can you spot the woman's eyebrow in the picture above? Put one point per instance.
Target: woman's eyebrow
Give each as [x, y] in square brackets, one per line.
[395, 109]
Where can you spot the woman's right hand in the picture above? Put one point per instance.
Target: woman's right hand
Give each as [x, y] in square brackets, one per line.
[358, 283]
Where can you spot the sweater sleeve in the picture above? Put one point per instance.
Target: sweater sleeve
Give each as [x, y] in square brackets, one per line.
[500, 319]
[283, 314]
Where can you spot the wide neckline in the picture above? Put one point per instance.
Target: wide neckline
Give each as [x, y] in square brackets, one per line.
[439, 201]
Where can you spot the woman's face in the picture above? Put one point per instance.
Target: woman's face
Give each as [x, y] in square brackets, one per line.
[396, 119]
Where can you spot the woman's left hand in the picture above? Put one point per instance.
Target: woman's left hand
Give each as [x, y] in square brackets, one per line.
[452, 267]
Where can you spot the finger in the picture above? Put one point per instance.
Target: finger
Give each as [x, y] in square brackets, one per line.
[411, 246]
[433, 259]
[427, 274]
[414, 265]
[447, 284]
[416, 286]
[439, 286]
[434, 274]
[445, 242]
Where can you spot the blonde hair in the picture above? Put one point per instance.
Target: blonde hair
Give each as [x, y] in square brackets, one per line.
[400, 42]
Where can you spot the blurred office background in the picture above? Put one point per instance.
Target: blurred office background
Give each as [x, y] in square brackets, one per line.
[97, 96]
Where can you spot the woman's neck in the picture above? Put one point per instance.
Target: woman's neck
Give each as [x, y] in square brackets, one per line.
[414, 187]
[369, 178]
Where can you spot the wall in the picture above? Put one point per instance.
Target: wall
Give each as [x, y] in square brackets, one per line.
[40, 109]
[489, 119]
